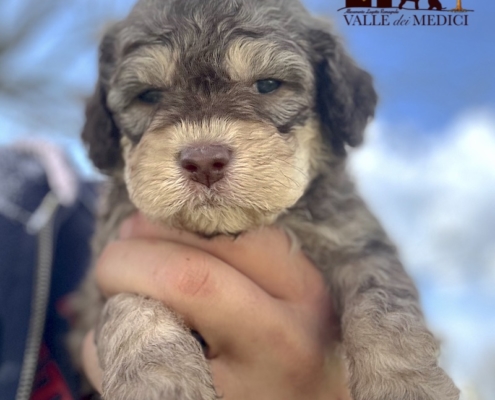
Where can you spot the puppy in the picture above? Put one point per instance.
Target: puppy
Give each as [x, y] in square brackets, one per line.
[222, 116]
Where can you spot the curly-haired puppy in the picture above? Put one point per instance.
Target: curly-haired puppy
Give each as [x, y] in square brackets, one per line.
[222, 116]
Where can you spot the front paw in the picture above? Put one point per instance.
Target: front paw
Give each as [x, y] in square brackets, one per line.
[147, 353]
[391, 358]
[427, 384]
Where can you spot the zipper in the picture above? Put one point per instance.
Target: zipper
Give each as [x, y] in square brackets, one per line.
[41, 223]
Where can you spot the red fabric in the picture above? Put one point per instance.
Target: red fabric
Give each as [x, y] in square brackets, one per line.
[49, 383]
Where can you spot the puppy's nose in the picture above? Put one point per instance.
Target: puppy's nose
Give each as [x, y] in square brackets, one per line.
[205, 164]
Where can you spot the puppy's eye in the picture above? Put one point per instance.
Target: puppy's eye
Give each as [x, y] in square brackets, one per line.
[266, 86]
[151, 96]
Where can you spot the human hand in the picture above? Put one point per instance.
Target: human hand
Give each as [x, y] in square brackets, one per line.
[265, 312]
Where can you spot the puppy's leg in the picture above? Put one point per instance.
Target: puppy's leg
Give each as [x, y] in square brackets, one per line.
[146, 352]
[390, 353]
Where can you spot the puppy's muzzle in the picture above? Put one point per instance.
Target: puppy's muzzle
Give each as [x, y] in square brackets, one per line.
[205, 164]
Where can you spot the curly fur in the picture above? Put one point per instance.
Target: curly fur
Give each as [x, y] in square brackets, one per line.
[288, 169]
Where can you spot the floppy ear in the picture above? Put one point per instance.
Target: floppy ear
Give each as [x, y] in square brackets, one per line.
[346, 98]
[100, 133]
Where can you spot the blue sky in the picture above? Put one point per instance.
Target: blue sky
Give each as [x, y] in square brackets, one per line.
[426, 75]
[427, 167]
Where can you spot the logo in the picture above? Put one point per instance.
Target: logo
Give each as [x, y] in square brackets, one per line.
[405, 13]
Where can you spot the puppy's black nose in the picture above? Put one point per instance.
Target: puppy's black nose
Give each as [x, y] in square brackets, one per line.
[205, 164]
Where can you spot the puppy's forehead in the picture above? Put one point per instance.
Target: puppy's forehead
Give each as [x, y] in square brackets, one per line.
[239, 59]
[242, 39]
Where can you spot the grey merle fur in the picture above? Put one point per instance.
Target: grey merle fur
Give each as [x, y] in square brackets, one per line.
[325, 103]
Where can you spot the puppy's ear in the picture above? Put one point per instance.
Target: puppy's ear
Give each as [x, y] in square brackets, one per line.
[346, 99]
[100, 133]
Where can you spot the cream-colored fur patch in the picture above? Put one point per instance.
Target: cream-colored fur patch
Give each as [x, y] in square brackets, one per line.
[249, 60]
[309, 156]
[151, 65]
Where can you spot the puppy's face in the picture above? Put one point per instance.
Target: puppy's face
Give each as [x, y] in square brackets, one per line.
[216, 113]
[220, 140]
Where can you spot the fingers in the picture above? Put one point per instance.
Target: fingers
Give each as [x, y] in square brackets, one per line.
[258, 305]
[90, 361]
[264, 256]
[208, 293]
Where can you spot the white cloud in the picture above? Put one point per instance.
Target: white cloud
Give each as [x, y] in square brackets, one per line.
[435, 194]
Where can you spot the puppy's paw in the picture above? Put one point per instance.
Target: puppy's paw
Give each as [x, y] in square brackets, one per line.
[147, 353]
[433, 384]
[393, 356]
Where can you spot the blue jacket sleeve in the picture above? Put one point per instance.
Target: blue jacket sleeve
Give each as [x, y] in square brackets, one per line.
[25, 193]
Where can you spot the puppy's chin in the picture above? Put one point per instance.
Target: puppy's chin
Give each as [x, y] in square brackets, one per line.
[222, 209]
[209, 220]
